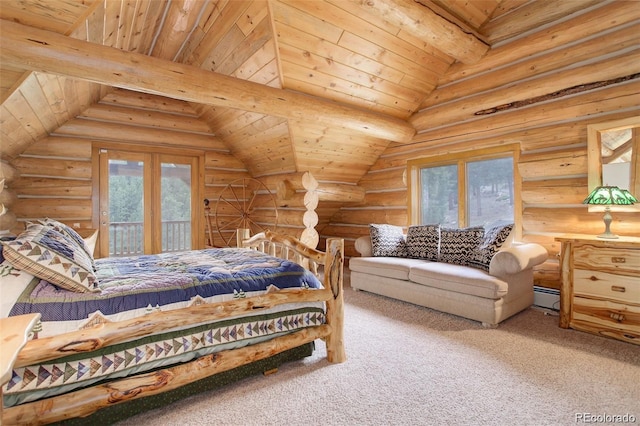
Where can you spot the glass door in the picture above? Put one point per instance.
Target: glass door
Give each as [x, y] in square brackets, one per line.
[124, 203]
[175, 203]
[146, 203]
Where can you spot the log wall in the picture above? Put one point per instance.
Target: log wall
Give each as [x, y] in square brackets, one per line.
[540, 91]
[55, 175]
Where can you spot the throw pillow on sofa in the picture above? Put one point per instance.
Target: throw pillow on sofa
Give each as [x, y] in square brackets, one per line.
[457, 244]
[387, 240]
[494, 238]
[423, 241]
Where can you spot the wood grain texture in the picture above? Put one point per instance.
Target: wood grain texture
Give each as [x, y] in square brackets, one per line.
[600, 290]
[181, 81]
[423, 23]
[14, 335]
[332, 50]
[85, 401]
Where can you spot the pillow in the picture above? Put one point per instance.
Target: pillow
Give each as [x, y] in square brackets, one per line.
[458, 244]
[493, 239]
[44, 252]
[69, 232]
[387, 240]
[91, 241]
[423, 241]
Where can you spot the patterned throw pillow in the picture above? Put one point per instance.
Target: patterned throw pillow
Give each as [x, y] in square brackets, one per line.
[458, 244]
[387, 240]
[493, 239]
[423, 241]
[52, 256]
[69, 232]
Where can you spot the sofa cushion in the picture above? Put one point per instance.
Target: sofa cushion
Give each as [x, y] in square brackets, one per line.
[456, 244]
[493, 239]
[423, 241]
[387, 240]
[390, 267]
[461, 279]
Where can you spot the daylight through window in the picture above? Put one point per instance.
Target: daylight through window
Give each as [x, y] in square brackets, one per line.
[466, 191]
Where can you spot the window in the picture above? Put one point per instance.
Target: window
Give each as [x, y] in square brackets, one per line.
[459, 190]
[147, 201]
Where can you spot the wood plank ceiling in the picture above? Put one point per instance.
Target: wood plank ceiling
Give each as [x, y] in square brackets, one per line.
[366, 55]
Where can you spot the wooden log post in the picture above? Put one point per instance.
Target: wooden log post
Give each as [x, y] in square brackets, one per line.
[14, 334]
[566, 284]
[333, 279]
[285, 190]
[310, 235]
[7, 196]
[303, 190]
[7, 172]
[8, 219]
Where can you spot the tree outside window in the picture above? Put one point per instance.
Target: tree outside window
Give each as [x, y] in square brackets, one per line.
[463, 190]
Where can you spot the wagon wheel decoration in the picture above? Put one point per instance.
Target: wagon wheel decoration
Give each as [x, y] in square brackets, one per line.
[245, 203]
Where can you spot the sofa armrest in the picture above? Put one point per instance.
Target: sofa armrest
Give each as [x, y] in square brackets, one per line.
[363, 246]
[517, 258]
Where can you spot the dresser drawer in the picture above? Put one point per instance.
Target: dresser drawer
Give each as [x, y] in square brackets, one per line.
[607, 314]
[606, 285]
[610, 259]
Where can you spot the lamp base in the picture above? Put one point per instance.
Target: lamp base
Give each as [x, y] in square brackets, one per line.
[609, 236]
[607, 225]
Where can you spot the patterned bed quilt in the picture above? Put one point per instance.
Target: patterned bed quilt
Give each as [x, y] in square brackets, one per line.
[162, 281]
[133, 286]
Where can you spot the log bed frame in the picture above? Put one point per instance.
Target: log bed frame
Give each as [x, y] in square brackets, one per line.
[83, 402]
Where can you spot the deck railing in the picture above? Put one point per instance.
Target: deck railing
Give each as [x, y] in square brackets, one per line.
[127, 238]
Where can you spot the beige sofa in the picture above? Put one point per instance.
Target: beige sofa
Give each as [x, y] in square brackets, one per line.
[489, 297]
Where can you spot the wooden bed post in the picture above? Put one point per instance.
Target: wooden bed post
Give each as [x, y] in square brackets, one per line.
[83, 402]
[333, 279]
[241, 235]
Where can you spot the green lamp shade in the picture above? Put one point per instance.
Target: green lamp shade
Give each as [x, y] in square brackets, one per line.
[610, 195]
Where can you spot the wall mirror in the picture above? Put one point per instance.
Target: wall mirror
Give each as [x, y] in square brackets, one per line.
[614, 156]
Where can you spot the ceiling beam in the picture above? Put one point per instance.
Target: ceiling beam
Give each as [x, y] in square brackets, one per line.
[49, 52]
[428, 26]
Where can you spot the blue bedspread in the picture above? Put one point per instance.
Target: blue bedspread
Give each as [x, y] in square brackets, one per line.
[157, 280]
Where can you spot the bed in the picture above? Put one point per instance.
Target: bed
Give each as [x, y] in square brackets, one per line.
[169, 320]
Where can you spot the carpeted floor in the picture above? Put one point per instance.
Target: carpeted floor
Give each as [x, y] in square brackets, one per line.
[409, 365]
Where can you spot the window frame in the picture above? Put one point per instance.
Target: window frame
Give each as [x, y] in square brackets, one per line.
[461, 159]
[155, 155]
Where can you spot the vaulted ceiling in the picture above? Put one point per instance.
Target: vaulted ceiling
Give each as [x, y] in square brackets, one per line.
[333, 82]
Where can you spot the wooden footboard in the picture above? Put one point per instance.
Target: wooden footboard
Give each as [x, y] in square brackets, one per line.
[332, 262]
[85, 401]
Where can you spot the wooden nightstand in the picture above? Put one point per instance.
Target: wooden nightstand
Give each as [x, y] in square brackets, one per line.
[14, 334]
[600, 288]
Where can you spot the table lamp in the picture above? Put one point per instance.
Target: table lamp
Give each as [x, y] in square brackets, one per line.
[609, 196]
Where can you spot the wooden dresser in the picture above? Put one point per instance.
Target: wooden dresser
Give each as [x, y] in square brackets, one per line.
[600, 289]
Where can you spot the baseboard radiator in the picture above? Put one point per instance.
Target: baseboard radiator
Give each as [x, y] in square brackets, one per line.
[546, 298]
